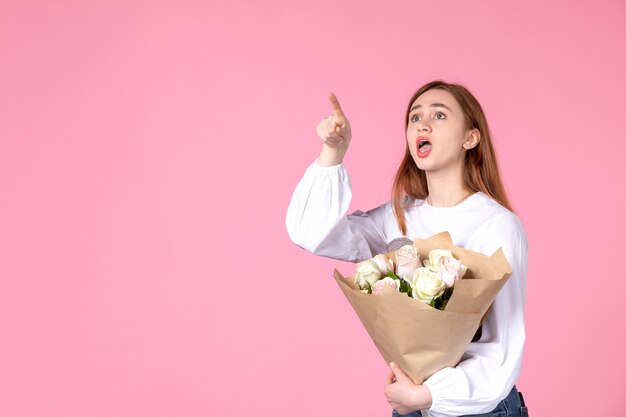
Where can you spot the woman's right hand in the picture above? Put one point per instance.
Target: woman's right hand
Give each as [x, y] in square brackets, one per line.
[336, 134]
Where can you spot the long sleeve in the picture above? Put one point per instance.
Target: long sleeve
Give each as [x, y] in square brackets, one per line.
[490, 366]
[317, 220]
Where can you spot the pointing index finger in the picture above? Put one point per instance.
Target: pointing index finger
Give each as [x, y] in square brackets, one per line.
[336, 106]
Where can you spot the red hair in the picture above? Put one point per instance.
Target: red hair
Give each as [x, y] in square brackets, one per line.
[480, 170]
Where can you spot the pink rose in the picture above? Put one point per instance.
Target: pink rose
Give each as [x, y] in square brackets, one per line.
[450, 270]
[408, 261]
[377, 287]
[384, 263]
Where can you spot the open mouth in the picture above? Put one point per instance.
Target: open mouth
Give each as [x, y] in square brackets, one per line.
[424, 145]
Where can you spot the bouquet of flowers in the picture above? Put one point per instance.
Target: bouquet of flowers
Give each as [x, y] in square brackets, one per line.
[431, 284]
[447, 300]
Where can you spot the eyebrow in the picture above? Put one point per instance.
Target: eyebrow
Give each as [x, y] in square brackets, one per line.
[432, 105]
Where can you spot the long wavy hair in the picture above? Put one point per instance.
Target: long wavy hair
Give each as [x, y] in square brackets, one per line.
[480, 169]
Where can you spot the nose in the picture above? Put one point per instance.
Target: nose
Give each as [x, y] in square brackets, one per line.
[423, 126]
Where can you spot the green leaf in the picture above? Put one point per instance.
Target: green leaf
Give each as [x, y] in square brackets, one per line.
[404, 286]
[440, 302]
[392, 274]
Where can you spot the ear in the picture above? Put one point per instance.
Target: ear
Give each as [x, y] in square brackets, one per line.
[472, 140]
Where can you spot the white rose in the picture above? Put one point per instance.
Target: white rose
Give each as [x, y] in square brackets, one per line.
[408, 260]
[377, 287]
[434, 256]
[384, 263]
[427, 285]
[367, 273]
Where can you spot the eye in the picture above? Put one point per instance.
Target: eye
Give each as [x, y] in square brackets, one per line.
[415, 117]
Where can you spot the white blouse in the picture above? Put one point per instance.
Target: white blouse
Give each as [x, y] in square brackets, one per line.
[317, 221]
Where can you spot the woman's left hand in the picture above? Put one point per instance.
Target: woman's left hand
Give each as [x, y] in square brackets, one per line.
[403, 395]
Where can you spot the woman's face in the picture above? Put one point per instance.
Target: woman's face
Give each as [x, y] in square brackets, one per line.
[436, 122]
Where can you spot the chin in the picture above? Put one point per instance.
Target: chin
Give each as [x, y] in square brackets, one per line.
[421, 165]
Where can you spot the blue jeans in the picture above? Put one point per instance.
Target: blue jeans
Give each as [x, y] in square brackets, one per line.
[512, 406]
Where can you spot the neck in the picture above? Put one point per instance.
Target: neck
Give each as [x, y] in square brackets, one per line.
[446, 188]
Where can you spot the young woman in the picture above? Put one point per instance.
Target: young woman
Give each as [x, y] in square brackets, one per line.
[447, 181]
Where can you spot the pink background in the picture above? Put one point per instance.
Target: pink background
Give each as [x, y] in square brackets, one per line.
[149, 151]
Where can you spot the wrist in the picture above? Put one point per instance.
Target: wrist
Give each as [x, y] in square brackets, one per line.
[331, 156]
[421, 397]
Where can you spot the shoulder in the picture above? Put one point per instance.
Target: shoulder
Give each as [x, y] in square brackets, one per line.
[497, 213]
[501, 227]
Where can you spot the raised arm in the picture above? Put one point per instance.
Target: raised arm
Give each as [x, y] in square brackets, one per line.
[317, 218]
[336, 134]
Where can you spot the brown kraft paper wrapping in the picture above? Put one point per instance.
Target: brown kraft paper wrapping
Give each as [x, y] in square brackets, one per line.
[419, 338]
